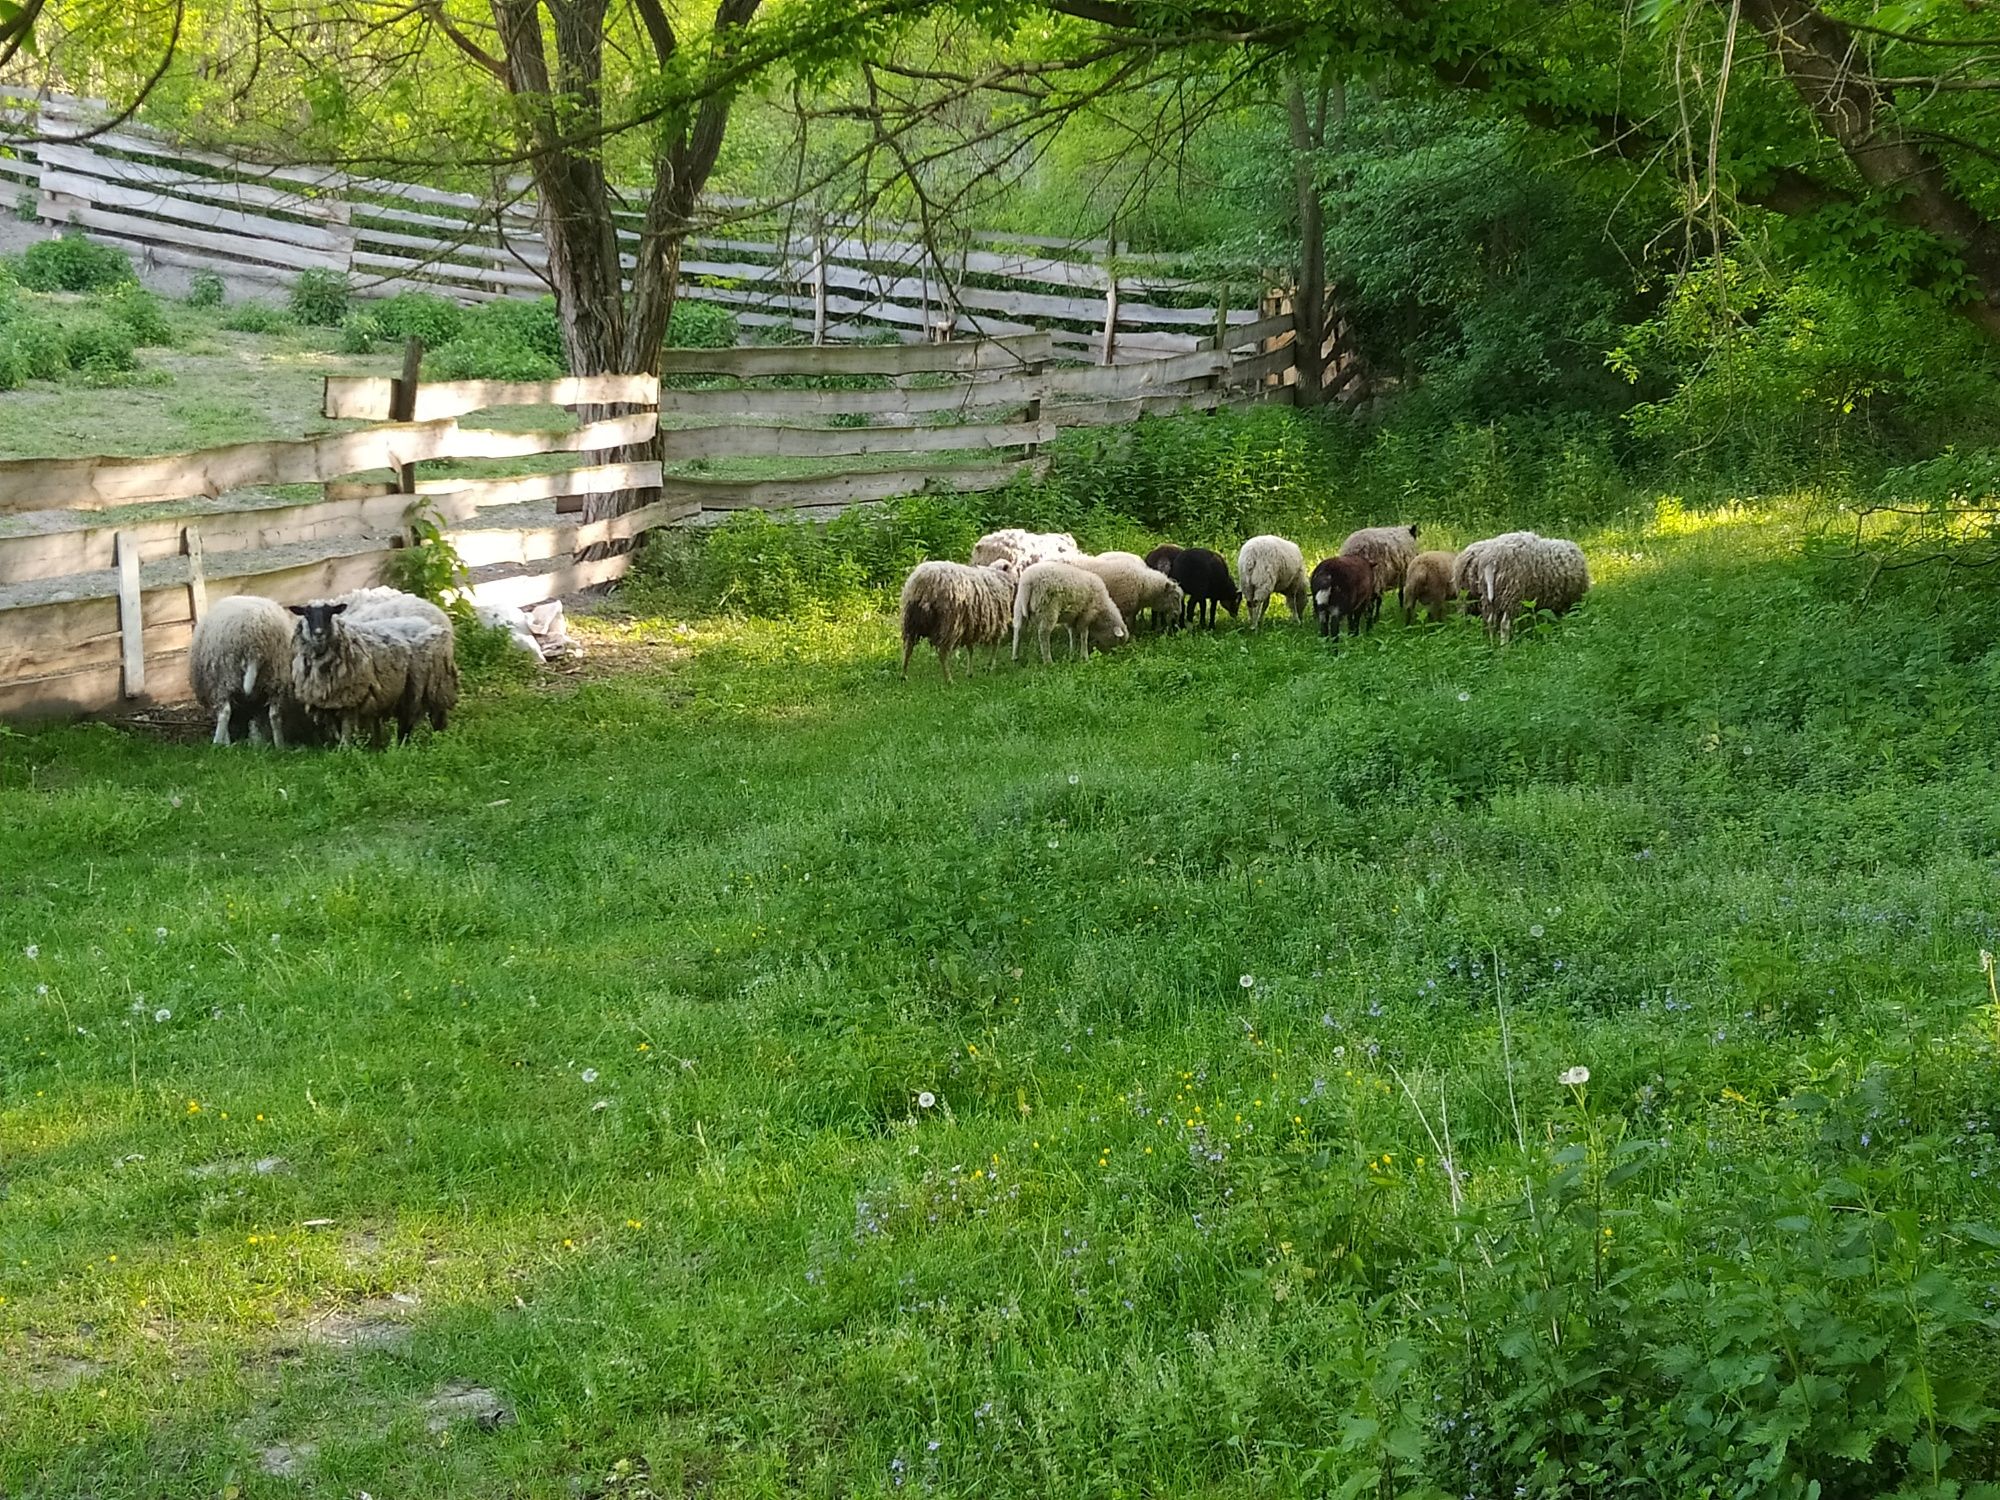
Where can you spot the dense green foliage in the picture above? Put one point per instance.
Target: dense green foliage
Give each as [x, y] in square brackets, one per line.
[71, 263]
[320, 299]
[204, 289]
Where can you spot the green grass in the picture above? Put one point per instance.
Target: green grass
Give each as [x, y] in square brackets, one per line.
[598, 1031]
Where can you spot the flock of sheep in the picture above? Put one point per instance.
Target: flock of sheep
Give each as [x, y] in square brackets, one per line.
[332, 670]
[1028, 584]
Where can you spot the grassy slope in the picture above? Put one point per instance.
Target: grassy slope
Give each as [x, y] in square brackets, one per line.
[1721, 831]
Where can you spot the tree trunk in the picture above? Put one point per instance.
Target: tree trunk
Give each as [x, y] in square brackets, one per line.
[1309, 296]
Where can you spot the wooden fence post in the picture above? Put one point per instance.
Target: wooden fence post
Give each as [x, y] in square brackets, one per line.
[197, 579]
[1033, 413]
[131, 614]
[819, 289]
[403, 407]
[1109, 353]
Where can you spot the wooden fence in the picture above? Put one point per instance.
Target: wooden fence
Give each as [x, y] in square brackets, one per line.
[173, 205]
[107, 563]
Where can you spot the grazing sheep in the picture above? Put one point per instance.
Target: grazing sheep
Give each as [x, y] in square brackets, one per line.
[357, 675]
[1161, 556]
[1527, 569]
[1271, 565]
[1465, 572]
[1427, 583]
[1388, 550]
[952, 605]
[1204, 578]
[1022, 548]
[1060, 593]
[1133, 586]
[1344, 589]
[240, 665]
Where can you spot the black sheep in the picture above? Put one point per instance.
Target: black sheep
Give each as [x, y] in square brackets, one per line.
[1204, 578]
[1161, 557]
[1343, 588]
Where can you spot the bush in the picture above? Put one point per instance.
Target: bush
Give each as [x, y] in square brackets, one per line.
[533, 325]
[320, 298]
[360, 333]
[257, 317]
[436, 320]
[100, 345]
[37, 348]
[141, 313]
[483, 355]
[72, 264]
[701, 325]
[204, 290]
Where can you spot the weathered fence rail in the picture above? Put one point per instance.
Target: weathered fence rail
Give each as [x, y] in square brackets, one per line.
[107, 563]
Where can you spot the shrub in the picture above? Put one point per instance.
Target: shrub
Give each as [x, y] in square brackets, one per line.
[533, 325]
[701, 325]
[100, 345]
[483, 355]
[73, 264]
[37, 348]
[320, 298]
[360, 333]
[257, 317]
[436, 320]
[141, 312]
[204, 290]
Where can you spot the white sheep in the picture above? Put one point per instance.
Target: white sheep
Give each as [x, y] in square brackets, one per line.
[1388, 550]
[240, 665]
[354, 676]
[1133, 586]
[1023, 548]
[439, 663]
[1465, 572]
[1269, 565]
[1547, 572]
[952, 605]
[1428, 585]
[381, 603]
[1059, 593]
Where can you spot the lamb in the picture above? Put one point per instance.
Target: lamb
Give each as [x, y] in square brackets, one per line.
[240, 665]
[1388, 550]
[1162, 555]
[1023, 548]
[357, 675]
[1133, 586]
[1060, 593]
[1271, 565]
[952, 605]
[1428, 582]
[1343, 589]
[1204, 579]
[1524, 569]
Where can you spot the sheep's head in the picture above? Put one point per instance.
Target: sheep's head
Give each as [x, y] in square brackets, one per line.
[1232, 601]
[1413, 531]
[316, 627]
[1176, 596]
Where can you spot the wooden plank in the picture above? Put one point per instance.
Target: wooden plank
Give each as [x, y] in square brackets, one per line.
[147, 252]
[94, 690]
[438, 268]
[838, 489]
[58, 118]
[726, 440]
[877, 359]
[1010, 391]
[1257, 366]
[197, 575]
[1131, 347]
[1135, 380]
[234, 247]
[131, 619]
[92, 483]
[485, 546]
[1263, 328]
[611, 432]
[1130, 408]
[470, 495]
[188, 184]
[163, 205]
[534, 588]
[366, 397]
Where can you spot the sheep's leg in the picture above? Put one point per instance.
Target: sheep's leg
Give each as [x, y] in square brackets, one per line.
[909, 645]
[1044, 628]
[274, 712]
[222, 724]
[256, 729]
[1018, 620]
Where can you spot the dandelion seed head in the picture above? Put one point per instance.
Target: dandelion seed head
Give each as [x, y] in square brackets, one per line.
[1248, 981]
[926, 1099]
[1574, 1077]
[589, 1075]
[163, 1015]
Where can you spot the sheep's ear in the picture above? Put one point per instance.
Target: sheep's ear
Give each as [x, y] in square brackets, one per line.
[336, 609]
[297, 609]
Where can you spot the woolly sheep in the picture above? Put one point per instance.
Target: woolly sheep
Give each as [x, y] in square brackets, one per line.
[1388, 550]
[1060, 593]
[357, 675]
[1465, 572]
[1269, 565]
[952, 605]
[240, 665]
[1546, 572]
[1343, 589]
[439, 675]
[1427, 583]
[1133, 586]
[1023, 548]
[1162, 555]
[1204, 578]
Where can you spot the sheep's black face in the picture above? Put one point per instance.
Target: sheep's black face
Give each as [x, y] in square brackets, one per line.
[1232, 600]
[316, 621]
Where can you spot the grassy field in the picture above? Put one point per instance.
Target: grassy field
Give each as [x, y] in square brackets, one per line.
[733, 1071]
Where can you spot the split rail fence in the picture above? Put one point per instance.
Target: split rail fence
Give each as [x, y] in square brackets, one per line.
[107, 563]
[173, 205]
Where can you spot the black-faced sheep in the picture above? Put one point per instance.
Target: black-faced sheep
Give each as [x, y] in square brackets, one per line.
[1021, 548]
[1344, 591]
[1161, 556]
[1059, 593]
[1204, 577]
[356, 676]
[1427, 585]
[1133, 586]
[1545, 572]
[952, 605]
[1388, 550]
[240, 666]
[1269, 565]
